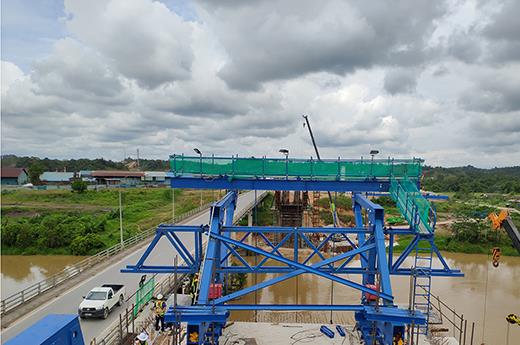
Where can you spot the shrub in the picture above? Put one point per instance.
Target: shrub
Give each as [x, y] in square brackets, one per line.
[326, 216]
[27, 235]
[384, 201]
[55, 237]
[9, 234]
[79, 186]
[345, 218]
[88, 244]
[344, 202]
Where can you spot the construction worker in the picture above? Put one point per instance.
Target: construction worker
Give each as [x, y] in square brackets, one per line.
[398, 340]
[193, 287]
[141, 339]
[160, 310]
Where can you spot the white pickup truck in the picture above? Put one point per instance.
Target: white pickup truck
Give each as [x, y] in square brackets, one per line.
[100, 301]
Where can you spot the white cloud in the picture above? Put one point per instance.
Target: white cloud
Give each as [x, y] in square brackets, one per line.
[10, 74]
[415, 78]
[143, 39]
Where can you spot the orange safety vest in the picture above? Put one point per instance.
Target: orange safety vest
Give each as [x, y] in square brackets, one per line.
[160, 307]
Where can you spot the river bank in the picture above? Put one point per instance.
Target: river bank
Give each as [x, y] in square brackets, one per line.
[450, 244]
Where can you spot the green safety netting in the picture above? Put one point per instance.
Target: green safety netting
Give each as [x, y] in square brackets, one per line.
[302, 168]
[143, 295]
[413, 206]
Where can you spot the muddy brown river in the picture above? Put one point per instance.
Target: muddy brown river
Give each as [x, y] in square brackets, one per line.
[466, 295]
[21, 271]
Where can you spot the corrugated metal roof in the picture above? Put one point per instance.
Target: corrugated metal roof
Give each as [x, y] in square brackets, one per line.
[12, 172]
[104, 173]
[155, 173]
[56, 176]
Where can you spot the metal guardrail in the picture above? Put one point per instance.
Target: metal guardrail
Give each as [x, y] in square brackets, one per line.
[260, 196]
[455, 323]
[25, 295]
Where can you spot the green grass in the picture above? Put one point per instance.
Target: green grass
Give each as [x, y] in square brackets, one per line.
[77, 212]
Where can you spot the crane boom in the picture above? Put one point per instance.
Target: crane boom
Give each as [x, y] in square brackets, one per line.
[331, 201]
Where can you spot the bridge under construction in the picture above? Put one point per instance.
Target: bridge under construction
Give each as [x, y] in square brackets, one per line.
[220, 246]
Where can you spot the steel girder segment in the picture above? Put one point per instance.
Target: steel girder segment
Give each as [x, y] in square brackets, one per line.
[286, 229]
[288, 307]
[295, 184]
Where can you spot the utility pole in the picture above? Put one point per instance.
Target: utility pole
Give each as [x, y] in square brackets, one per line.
[138, 165]
[173, 205]
[121, 219]
[197, 151]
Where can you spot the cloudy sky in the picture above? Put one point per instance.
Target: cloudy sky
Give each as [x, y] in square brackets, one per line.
[432, 79]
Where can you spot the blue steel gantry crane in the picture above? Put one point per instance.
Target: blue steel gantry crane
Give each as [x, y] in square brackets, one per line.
[377, 315]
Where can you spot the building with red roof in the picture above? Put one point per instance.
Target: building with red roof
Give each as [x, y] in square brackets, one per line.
[14, 176]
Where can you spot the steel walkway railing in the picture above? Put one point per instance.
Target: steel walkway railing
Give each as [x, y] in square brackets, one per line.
[418, 211]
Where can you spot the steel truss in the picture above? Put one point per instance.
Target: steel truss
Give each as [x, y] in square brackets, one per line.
[226, 243]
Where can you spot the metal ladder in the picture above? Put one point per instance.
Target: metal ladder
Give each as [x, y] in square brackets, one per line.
[422, 285]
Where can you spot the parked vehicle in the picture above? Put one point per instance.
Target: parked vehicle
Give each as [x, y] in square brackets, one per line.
[100, 301]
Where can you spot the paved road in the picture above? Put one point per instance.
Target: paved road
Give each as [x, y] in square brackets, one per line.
[68, 302]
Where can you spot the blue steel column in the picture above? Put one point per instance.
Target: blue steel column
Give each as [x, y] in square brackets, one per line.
[213, 251]
[224, 251]
[361, 237]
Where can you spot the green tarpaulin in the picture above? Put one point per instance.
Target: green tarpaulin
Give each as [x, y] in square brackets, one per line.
[302, 168]
[143, 295]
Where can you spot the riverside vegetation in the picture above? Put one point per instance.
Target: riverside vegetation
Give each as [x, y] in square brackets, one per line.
[63, 222]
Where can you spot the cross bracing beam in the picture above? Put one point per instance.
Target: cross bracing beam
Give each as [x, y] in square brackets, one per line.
[293, 234]
[292, 273]
[301, 268]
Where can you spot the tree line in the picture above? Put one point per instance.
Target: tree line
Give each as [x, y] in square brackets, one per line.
[472, 180]
[47, 164]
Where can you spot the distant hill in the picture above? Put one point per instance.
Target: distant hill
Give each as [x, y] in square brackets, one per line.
[470, 179]
[82, 164]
